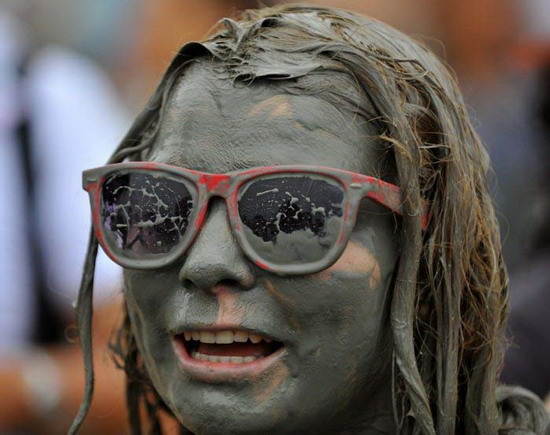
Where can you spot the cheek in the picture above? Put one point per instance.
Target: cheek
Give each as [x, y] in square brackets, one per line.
[361, 327]
[339, 309]
[146, 305]
[147, 341]
[164, 304]
[345, 301]
[342, 345]
[353, 303]
[359, 293]
[356, 260]
[146, 291]
[143, 309]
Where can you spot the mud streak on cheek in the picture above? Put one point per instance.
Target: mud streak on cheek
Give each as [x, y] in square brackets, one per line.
[355, 260]
[229, 313]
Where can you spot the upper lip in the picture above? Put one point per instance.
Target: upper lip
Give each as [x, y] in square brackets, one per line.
[215, 328]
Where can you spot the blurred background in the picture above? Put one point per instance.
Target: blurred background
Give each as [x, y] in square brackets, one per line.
[74, 73]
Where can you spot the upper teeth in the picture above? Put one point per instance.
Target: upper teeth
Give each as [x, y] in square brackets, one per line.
[224, 337]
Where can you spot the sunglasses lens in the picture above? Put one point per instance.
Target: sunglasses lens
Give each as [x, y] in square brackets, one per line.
[292, 219]
[145, 215]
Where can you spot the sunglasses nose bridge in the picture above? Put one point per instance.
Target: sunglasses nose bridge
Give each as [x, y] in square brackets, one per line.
[217, 184]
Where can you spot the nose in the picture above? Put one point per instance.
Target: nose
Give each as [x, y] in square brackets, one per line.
[215, 258]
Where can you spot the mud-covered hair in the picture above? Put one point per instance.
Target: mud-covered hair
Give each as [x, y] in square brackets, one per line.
[450, 299]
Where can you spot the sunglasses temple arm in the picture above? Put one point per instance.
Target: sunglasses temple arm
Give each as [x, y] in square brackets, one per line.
[390, 197]
[84, 311]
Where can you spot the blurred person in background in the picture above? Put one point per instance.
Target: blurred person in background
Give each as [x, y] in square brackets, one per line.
[58, 114]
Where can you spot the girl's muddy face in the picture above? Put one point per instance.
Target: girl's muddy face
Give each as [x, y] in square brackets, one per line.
[232, 348]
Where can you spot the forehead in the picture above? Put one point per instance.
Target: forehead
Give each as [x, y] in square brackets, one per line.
[214, 125]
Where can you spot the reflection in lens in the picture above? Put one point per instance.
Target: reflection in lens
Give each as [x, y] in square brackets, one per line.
[145, 214]
[289, 219]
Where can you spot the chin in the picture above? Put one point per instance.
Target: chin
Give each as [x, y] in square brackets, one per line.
[220, 417]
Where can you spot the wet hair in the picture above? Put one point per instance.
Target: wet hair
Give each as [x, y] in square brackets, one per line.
[450, 300]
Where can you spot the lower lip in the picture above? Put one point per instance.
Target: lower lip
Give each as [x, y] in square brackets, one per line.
[216, 372]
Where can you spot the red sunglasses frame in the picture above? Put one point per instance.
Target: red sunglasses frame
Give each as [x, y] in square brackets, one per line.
[355, 186]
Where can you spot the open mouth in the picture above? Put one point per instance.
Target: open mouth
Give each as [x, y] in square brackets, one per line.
[227, 346]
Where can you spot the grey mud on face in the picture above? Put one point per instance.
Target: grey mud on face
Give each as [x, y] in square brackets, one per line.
[330, 369]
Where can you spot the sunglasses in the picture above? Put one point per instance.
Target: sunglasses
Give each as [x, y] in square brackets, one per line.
[289, 220]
